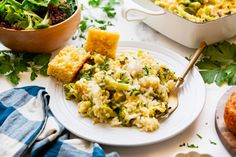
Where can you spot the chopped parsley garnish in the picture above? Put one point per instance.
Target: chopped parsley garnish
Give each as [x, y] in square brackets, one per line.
[134, 92]
[199, 136]
[188, 145]
[123, 79]
[191, 146]
[218, 64]
[182, 145]
[123, 60]
[13, 63]
[105, 65]
[146, 70]
[87, 74]
[212, 142]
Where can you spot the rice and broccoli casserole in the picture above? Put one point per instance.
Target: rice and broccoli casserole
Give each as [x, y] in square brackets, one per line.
[130, 90]
[199, 10]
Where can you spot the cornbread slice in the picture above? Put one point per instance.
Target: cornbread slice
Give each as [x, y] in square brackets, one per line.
[230, 113]
[102, 42]
[67, 63]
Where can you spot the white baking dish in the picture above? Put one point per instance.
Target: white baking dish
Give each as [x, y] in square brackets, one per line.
[181, 30]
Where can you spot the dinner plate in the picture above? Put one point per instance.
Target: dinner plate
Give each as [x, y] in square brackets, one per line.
[191, 102]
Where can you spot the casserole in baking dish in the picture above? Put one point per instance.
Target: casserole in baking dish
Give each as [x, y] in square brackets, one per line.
[177, 28]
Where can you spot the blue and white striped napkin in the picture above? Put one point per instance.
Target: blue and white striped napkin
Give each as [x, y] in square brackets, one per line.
[27, 126]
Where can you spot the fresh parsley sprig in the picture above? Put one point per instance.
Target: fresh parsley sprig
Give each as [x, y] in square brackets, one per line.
[109, 8]
[94, 3]
[91, 22]
[12, 64]
[106, 6]
[218, 64]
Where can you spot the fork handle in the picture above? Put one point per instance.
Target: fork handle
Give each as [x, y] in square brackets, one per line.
[191, 63]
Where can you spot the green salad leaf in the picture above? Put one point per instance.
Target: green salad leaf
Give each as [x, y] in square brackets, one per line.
[218, 64]
[12, 64]
[34, 14]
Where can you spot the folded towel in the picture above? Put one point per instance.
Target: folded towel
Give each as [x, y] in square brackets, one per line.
[28, 126]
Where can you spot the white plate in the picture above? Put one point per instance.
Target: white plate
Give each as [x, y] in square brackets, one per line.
[191, 102]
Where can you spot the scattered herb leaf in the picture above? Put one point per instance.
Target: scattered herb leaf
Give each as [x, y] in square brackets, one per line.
[182, 145]
[90, 22]
[134, 92]
[218, 64]
[13, 78]
[109, 10]
[212, 142]
[107, 7]
[146, 70]
[191, 146]
[199, 136]
[13, 63]
[33, 74]
[94, 3]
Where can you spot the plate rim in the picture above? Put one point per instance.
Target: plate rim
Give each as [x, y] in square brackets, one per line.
[150, 47]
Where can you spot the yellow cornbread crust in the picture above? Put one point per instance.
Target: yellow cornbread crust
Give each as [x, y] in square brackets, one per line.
[65, 65]
[102, 42]
[230, 113]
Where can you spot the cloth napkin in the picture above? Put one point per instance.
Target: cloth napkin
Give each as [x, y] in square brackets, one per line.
[28, 126]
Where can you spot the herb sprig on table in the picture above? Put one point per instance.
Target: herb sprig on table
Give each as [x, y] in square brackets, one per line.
[108, 7]
[89, 22]
[12, 64]
[218, 64]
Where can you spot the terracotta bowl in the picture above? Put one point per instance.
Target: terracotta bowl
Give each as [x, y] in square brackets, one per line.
[42, 40]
